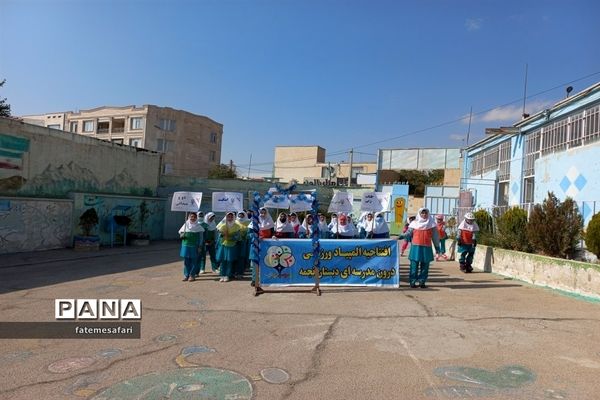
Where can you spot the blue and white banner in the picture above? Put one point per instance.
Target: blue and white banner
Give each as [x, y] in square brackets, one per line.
[342, 263]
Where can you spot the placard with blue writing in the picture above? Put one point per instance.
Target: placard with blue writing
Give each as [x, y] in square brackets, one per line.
[342, 263]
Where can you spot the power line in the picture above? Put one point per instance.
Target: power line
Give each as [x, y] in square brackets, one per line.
[442, 124]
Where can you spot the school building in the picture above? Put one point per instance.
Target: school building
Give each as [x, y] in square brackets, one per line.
[556, 150]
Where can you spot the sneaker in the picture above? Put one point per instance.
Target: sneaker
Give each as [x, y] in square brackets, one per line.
[413, 285]
[226, 279]
[185, 279]
[422, 285]
[437, 258]
[469, 269]
[445, 257]
[192, 279]
[463, 267]
[253, 284]
[222, 279]
[201, 272]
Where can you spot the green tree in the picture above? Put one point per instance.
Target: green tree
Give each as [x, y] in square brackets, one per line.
[554, 227]
[417, 180]
[592, 235]
[4, 106]
[222, 171]
[511, 230]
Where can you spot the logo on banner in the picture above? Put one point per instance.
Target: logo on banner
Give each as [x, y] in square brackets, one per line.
[375, 202]
[279, 258]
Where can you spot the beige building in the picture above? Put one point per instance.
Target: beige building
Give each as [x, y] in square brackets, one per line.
[190, 143]
[307, 164]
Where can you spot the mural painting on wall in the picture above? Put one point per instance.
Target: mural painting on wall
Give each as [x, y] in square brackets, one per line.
[34, 225]
[12, 150]
[105, 205]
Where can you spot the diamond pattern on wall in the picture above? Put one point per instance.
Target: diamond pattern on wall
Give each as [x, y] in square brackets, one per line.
[515, 188]
[573, 182]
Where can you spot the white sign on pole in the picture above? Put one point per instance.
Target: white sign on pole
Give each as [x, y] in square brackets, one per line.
[186, 201]
[341, 202]
[375, 202]
[298, 205]
[227, 201]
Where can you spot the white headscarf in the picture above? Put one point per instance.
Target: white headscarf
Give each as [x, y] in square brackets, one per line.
[305, 228]
[465, 226]
[369, 225]
[266, 222]
[190, 226]
[323, 225]
[381, 225]
[345, 230]
[243, 220]
[212, 225]
[294, 223]
[421, 223]
[333, 222]
[284, 227]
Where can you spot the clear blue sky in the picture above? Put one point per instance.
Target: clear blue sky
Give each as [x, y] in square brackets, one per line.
[338, 74]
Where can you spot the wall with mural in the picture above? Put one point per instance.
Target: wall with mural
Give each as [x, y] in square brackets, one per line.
[41, 162]
[34, 224]
[109, 205]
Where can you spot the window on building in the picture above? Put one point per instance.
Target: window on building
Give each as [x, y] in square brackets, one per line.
[167, 124]
[532, 152]
[502, 199]
[73, 126]
[491, 158]
[118, 125]
[592, 124]
[213, 137]
[54, 126]
[528, 187]
[554, 137]
[135, 142]
[213, 156]
[504, 161]
[88, 126]
[167, 169]
[136, 123]
[575, 130]
[477, 164]
[117, 140]
[103, 126]
[164, 146]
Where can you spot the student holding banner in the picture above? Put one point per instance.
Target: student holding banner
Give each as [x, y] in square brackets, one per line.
[344, 229]
[323, 228]
[243, 245]
[191, 234]
[306, 230]
[381, 229]
[283, 228]
[265, 224]
[421, 232]
[227, 255]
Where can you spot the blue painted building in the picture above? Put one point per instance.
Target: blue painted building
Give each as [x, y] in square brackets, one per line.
[557, 150]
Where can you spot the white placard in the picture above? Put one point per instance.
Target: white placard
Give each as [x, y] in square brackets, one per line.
[375, 202]
[297, 205]
[186, 201]
[227, 201]
[341, 202]
[281, 201]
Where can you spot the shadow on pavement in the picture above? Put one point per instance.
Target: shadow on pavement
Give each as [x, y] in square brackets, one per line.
[75, 266]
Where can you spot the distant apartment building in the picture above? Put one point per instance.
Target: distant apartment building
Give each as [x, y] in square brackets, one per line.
[190, 143]
[307, 164]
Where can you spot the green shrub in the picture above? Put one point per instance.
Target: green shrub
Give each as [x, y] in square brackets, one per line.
[486, 227]
[554, 227]
[592, 235]
[511, 230]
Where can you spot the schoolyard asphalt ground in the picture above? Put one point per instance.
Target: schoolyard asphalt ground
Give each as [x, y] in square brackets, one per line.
[465, 337]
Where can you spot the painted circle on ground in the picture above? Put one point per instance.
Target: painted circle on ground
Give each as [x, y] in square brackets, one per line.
[183, 383]
[165, 338]
[70, 364]
[108, 353]
[274, 375]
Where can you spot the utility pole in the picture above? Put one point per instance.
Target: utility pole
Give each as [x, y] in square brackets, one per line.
[350, 172]
[249, 165]
[469, 130]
